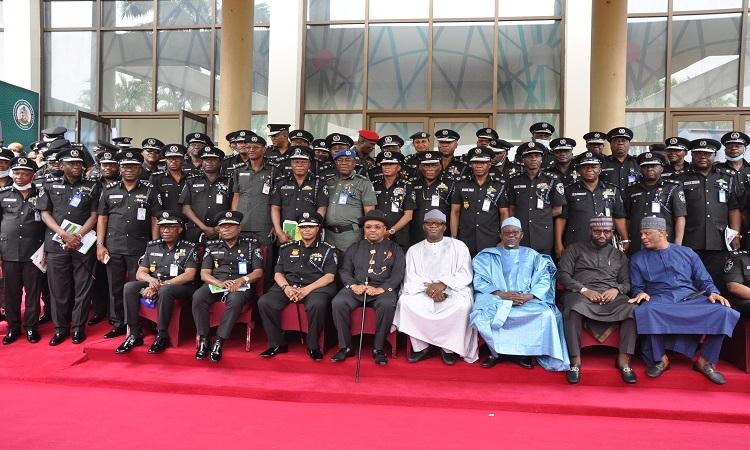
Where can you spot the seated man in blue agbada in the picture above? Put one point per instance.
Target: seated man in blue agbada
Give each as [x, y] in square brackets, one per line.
[514, 303]
[679, 304]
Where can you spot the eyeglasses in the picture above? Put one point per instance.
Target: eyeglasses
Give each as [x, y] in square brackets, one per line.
[434, 224]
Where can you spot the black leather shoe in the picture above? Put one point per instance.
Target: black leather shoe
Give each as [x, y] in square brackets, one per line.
[116, 331]
[45, 317]
[96, 318]
[415, 357]
[160, 344]
[11, 337]
[491, 361]
[215, 355]
[574, 374]
[32, 335]
[657, 369]
[448, 358]
[78, 337]
[525, 361]
[628, 374]
[315, 354]
[379, 357]
[129, 344]
[270, 352]
[203, 348]
[710, 372]
[58, 338]
[342, 354]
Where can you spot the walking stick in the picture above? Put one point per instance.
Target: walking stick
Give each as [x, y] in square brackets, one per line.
[361, 331]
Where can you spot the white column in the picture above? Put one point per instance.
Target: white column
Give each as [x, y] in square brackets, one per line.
[577, 86]
[22, 31]
[285, 61]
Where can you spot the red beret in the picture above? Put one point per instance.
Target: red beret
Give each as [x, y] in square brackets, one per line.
[369, 135]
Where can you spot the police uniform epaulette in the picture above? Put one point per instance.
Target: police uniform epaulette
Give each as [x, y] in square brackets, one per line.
[147, 183]
[288, 244]
[248, 239]
[6, 188]
[726, 170]
[188, 243]
[53, 179]
[738, 252]
[214, 242]
[112, 184]
[160, 172]
[670, 180]
[154, 242]
[608, 184]
[328, 244]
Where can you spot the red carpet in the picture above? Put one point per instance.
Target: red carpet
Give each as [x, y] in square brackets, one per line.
[321, 398]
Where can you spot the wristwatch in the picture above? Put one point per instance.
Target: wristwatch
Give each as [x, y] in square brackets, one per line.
[391, 231]
[246, 278]
[583, 289]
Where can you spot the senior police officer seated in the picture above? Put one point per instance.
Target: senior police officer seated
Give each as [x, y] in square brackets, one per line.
[230, 267]
[374, 266]
[737, 279]
[166, 272]
[304, 274]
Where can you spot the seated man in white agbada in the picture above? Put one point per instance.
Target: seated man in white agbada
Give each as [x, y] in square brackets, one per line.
[437, 296]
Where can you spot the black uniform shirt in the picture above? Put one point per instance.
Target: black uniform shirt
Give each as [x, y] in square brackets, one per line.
[168, 189]
[304, 265]
[130, 212]
[393, 201]
[207, 198]
[534, 200]
[569, 177]
[737, 268]
[165, 264]
[428, 197]
[665, 199]
[621, 174]
[227, 263]
[295, 199]
[65, 201]
[581, 205]
[21, 226]
[479, 221]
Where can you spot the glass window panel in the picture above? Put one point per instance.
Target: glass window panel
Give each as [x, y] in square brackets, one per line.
[646, 126]
[699, 5]
[529, 8]
[451, 9]
[514, 127]
[333, 66]
[467, 131]
[462, 65]
[636, 150]
[68, 122]
[73, 86]
[399, 9]
[184, 70]
[321, 125]
[335, 9]
[529, 64]
[397, 66]
[746, 93]
[258, 125]
[260, 69]
[747, 125]
[705, 60]
[647, 62]
[127, 72]
[166, 129]
[647, 6]
[69, 14]
[127, 13]
[402, 129]
[184, 12]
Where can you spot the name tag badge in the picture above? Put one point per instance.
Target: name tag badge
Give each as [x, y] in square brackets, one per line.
[486, 205]
[655, 207]
[343, 197]
[242, 267]
[173, 270]
[141, 214]
[435, 200]
[539, 203]
[722, 196]
[266, 188]
[75, 201]
[37, 216]
[219, 199]
[394, 207]
[607, 212]
[631, 178]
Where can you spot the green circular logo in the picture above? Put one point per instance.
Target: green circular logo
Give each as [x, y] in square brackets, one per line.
[23, 115]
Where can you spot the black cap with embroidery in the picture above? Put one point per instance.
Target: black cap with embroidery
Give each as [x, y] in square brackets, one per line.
[651, 158]
[102, 146]
[5, 154]
[211, 152]
[320, 144]
[276, 128]
[420, 135]
[152, 143]
[170, 218]
[300, 152]
[486, 133]
[231, 217]
[500, 145]
[200, 138]
[562, 143]
[301, 134]
[22, 162]
[122, 141]
[70, 154]
[735, 137]
[390, 140]
[594, 137]
[587, 158]
[309, 219]
[129, 156]
[107, 157]
[388, 157]
[52, 133]
[447, 135]
[622, 132]
[428, 157]
[677, 143]
[657, 147]
[174, 150]
[704, 145]
[542, 127]
[338, 139]
[239, 136]
[479, 154]
[528, 148]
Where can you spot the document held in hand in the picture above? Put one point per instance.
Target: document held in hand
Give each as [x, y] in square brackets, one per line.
[88, 241]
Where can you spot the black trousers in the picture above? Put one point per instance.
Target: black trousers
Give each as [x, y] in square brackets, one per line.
[164, 303]
[70, 280]
[574, 322]
[118, 267]
[100, 302]
[203, 299]
[20, 276]
[345, 302]
[272, 303]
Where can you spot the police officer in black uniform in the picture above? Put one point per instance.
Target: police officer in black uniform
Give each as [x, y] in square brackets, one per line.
[737, 279]
[395, 197]
[126, 219]
[485, 135]
[241, 141]
[21, 235]
[300, 191]
[391, 143]
[588, 197]
[735, 144]
[431, 191]
[204, 195]
[169, 182]
[595, 141]
[420, 141]
[278, 152]
[123, 142]
[152, 157]
[535, 198]
[477, 204]
[75, 199]
[301, 138]
[166, 272]
[656, 196]
[541, 132]
[195, 142]
[620, 168]
[453, 168]
[712, 196]
[562, 165]
[323, 163]
[304, 274]
[503, 167]
[676, 149]
[232, 264]
[5, 157]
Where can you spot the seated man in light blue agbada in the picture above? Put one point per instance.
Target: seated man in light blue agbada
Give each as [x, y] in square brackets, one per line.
[514, 303]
